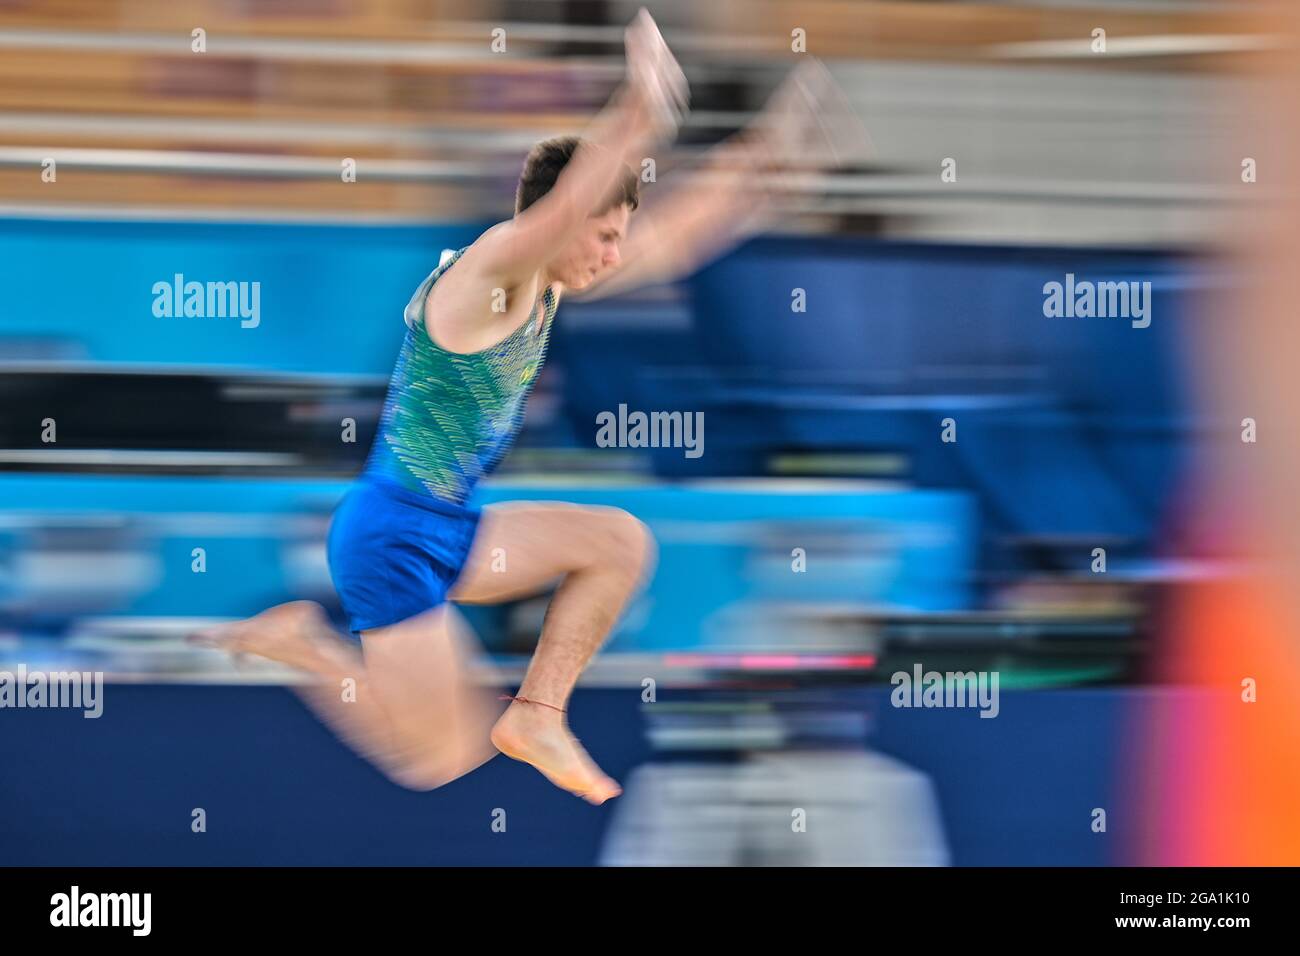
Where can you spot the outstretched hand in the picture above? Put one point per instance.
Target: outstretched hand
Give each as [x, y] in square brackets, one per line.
[808, 122]
[654, 77]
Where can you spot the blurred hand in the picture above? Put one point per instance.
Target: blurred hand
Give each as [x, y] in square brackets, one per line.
[654, 78]
[808, 121]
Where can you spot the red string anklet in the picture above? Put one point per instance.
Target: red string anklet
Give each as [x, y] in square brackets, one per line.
[526, 700]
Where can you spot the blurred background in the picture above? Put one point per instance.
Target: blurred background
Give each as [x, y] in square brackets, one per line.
[1008, 151]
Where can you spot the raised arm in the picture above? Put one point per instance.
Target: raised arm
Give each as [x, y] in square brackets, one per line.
[733, 194]
[739, 188]
[645, 109]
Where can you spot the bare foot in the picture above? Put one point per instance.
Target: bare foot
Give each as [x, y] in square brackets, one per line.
[288, 633]
[539, 736]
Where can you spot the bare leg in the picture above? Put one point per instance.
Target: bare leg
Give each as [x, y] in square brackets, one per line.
[411, 703]
[419, 712]
[602, 556]
[426, 674]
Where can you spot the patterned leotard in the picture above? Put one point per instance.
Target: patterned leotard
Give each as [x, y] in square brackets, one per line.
[450, 418]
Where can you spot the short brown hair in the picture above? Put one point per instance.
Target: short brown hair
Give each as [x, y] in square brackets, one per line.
[544, 164]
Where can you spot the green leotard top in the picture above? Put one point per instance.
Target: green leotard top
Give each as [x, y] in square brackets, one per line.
[450, 418]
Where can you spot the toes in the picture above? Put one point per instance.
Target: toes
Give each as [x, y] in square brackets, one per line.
[606, 790]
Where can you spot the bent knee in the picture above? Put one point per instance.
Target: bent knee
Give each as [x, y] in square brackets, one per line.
[629, 544]
[646, 550]
[416, 778]
[426, 773]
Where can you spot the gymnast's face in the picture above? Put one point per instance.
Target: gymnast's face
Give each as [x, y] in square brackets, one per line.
[593, 250]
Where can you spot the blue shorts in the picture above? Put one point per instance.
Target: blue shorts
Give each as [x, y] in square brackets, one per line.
[395, 553]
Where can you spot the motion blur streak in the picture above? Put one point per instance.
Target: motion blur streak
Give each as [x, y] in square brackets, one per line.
[1225, 782]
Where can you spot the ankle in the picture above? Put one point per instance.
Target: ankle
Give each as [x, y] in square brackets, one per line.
[535, 710]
